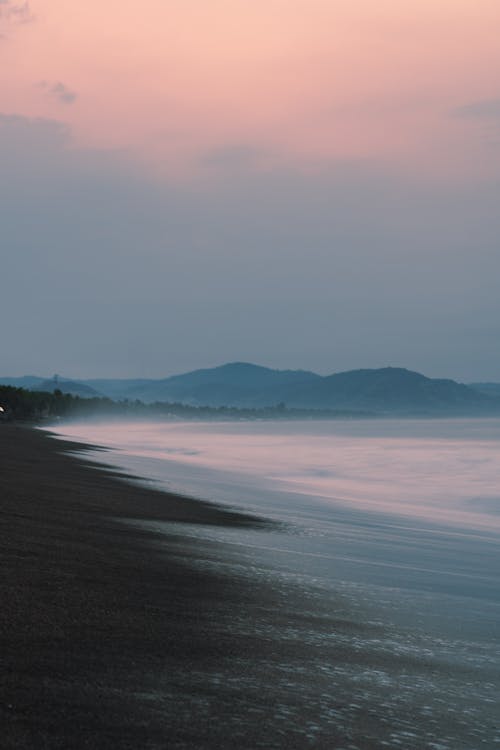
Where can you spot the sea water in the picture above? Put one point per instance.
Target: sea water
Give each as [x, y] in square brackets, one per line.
[397, 519]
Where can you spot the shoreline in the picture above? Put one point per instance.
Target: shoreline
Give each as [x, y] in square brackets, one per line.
[90, 606]
[117, 636]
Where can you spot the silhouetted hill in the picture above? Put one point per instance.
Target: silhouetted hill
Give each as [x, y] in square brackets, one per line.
[233, 384]
[25, 381]
[48, 385]
[243, 374]
[391, 390]
[72, 387]
[384, 392]
[489, 389]
[119, 388]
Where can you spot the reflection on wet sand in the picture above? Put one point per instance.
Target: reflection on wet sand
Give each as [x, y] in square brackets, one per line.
[383, 628]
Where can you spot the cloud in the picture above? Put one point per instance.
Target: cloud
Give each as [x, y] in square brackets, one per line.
[58, 91]
[111, 271]
[234, 156]
[15, 12]
[485, 109]
[21, 135]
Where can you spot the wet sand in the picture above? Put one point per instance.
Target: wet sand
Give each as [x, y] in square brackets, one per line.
[91, 613]
[114, 636]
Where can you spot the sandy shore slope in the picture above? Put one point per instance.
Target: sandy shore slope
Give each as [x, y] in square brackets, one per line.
[115, 636]
[93, 617]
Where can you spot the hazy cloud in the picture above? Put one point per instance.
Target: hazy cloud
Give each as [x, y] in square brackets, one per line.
[21, 134]
[15, 12]
[59, 91]
[488, 109]
[109, 271]
[235, 156]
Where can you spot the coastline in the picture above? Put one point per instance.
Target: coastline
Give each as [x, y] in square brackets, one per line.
[90, 610]
[116, 635]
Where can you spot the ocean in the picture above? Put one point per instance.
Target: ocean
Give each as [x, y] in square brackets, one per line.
[391, 526]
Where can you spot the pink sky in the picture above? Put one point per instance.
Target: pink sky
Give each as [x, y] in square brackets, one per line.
[292, 82]
[297, 183]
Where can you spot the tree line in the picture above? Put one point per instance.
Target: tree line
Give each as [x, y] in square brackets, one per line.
[20, 404]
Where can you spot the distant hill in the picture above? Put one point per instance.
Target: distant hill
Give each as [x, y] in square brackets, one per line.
[392, 390]
[382, 392]
[48, 385]
[234, 384]
[73, 387]
[385, 391]
[119, 388]
[489, 389]
[26, 381]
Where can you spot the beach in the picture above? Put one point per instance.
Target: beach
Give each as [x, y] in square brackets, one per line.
[122, 627]
[91, 614]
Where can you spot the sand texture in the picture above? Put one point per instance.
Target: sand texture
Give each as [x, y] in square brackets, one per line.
[122, 626]
[94, 619]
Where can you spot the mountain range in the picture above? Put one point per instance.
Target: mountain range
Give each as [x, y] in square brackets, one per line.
[384, 391]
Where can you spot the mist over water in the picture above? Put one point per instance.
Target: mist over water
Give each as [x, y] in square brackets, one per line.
[439, 471]
[390, 525]
[409, 505]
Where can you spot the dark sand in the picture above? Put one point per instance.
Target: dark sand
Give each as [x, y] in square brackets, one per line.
[109, 637]
[92, 616]
[117, 637]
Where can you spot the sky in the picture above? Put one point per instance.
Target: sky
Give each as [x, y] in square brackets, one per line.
[297, 183]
